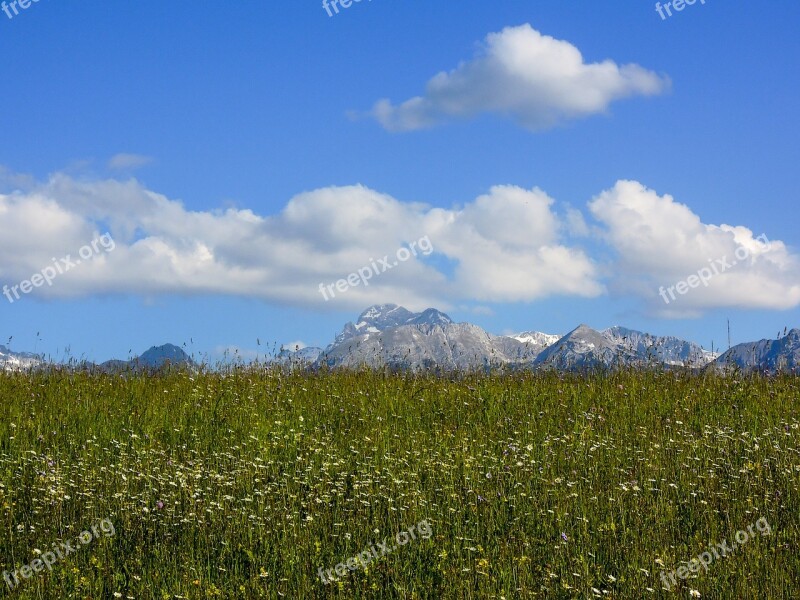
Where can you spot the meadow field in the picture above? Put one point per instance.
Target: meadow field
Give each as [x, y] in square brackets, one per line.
[250, 483]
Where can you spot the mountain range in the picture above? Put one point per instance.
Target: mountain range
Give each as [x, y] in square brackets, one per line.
[390, 336]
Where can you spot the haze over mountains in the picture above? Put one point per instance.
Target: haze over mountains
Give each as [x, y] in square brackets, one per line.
[391, 336]
[153, 359]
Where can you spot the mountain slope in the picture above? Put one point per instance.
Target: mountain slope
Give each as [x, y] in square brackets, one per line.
[664, 349]
[300, 357]
[587, 348]
[155, 358]
[782, 354]
[18, 361]
[537, 338]
[584, 348]
[387, 316]
[453, 346]
[389, 335]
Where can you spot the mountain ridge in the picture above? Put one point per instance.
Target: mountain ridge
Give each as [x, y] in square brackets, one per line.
[389, 335]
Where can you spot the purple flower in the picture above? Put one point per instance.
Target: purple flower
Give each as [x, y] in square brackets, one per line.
[563, 536]
[160, 505]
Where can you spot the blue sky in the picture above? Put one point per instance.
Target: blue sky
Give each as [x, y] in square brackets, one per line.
[234, 153]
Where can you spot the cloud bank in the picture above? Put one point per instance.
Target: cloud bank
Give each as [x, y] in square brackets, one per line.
[508, 245]
[318, 237]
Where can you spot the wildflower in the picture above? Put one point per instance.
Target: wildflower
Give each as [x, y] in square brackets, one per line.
[694, 593]
[563, 536]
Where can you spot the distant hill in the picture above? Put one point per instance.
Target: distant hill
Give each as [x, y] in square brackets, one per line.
[157, 357]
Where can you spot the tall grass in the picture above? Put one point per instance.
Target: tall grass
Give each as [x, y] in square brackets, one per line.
[241, 485]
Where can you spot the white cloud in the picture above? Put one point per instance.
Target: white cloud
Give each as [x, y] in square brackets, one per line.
[660, 242]
[576, 224]
[509, 245]
[534, 79]
[319, 237]
[128, 162]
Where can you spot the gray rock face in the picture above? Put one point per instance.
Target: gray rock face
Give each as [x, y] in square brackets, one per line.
[386, 316]
[782, 354]
[668, 350]
[586, 348]
[391, 336]
[302, 357]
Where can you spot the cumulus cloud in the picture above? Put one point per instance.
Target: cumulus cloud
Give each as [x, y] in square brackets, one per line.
[508, 245]
[660, 242]
[318, 237]
[531, 78]
[128, 162]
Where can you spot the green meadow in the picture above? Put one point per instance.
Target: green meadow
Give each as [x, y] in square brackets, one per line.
[244, 484]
